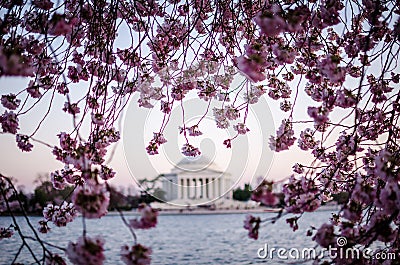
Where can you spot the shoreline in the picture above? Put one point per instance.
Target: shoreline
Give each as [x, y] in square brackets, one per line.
[209, 212]
[185, 211]
[194, 211]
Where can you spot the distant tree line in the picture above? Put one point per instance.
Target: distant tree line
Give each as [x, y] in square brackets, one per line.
[44, 194]
[242, 194]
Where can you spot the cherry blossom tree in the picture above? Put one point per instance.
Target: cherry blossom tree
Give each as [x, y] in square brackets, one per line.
[343, 55]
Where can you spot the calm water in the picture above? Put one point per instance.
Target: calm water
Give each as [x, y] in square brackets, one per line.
[182, 239]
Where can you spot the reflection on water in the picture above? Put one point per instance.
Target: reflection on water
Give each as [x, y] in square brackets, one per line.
[182, 239]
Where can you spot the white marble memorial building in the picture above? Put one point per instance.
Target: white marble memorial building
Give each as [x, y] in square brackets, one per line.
[196, 180]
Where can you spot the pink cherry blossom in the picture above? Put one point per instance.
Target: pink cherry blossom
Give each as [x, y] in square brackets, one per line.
[159, 138]
[265, 196]
[10, 101]
[152, 148]
[363, 191]
[241, 128]
[352, 211]
[9, 122]
[263, 193]
[270, 23]
[220, 118]
[190, 150]
[207, 90]
[194, 130]
[166, 107]
[284, 55]
[23, 143]
[15, 64]
[71, 108]
[252, 224]
[284, 137]
[91, 199]
[59, 26]
[301, 195]
[330, 69]
[43, 4]
[298, 168]
[6, 232]
[320, 114]
[136, 255]
[60, 215]
[250, 69]
[66, 142]
[106, 173]
[285, 106]
[389, 197]
[307, 140]
[33, 90]
[384, 163]
[228, 143]
[148, 218]
[254, 94]
[231, 113]
[55, 259]
[345, 99]
[58, 180]
[86, 251]
[43, 227]
[297, 17]
[97, 118]
[325, 235]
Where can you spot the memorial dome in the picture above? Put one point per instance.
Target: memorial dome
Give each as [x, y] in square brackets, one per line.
[199, 163]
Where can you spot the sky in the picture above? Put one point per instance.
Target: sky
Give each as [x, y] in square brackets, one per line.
[249, 157]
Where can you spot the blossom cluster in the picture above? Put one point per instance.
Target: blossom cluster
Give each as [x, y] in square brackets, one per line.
[91, 199]
[6, 232]
[301, 195]
[148, 218]
[136, 255]
[284, 138]
[60, 215]
[252, 224]
[86, 251]
[264, 194]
